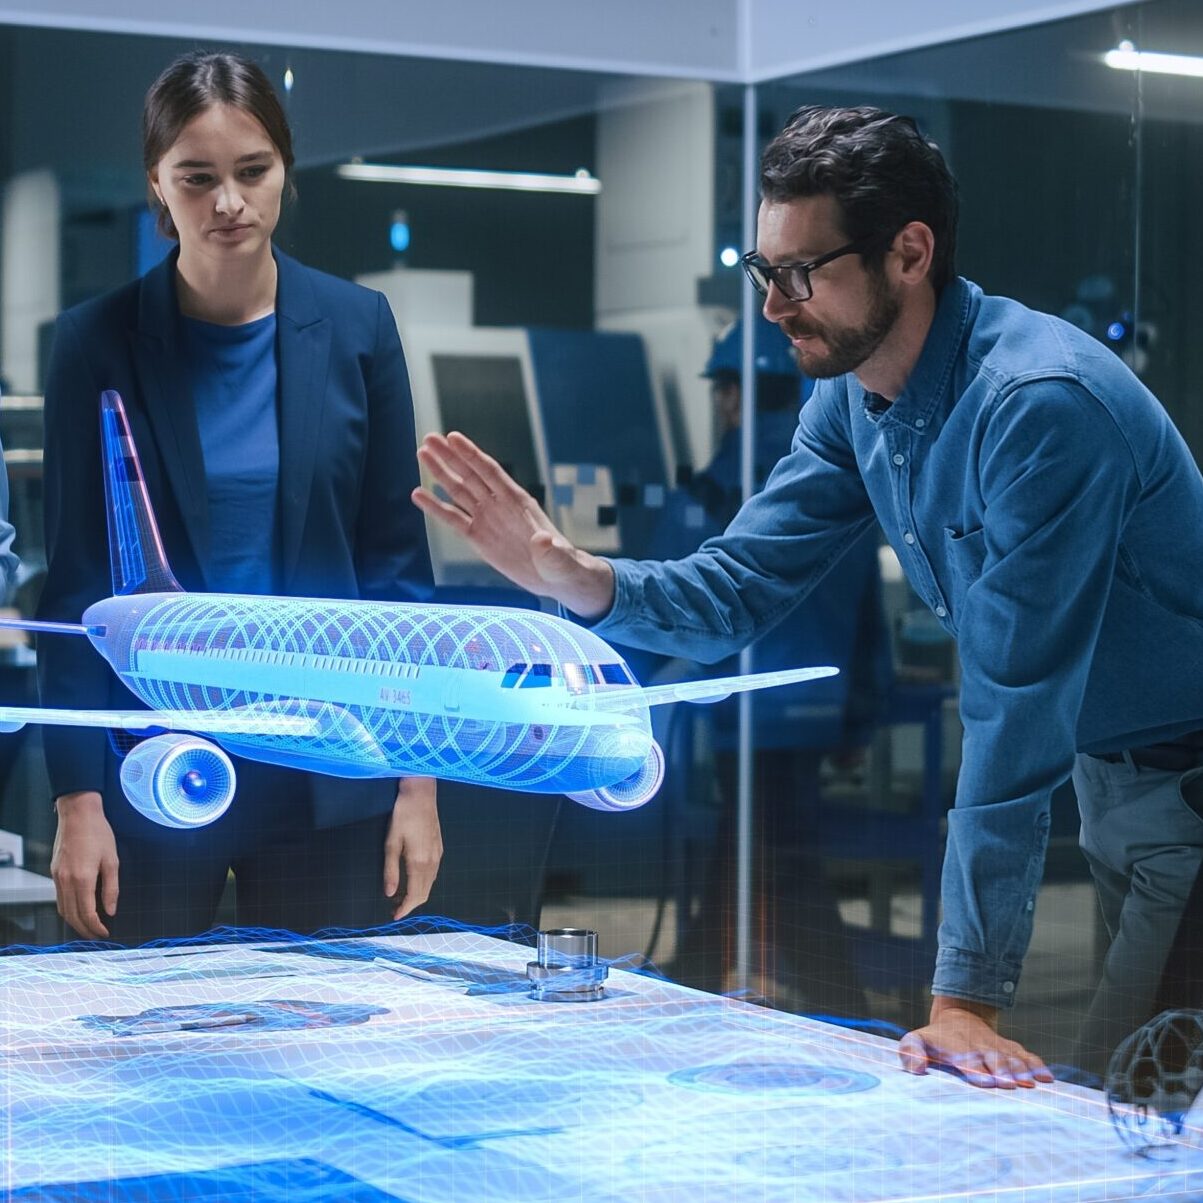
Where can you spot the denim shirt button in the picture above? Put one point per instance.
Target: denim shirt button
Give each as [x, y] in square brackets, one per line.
[908, 538]
[941, 612]
[1008, 987]
[920, 423]
[899, 458]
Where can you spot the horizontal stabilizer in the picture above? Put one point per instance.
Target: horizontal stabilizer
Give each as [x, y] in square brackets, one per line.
[712, 690]
[245, 721]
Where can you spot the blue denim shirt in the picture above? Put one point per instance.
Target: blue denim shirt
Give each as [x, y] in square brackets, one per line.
[1044, 506]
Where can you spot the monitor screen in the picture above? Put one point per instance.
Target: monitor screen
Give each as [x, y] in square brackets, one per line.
[484, 397]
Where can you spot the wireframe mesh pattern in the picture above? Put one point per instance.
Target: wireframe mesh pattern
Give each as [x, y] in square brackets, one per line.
[415, 1060]
[357, 669]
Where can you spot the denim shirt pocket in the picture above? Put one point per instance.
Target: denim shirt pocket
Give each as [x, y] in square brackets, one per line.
[966, 557]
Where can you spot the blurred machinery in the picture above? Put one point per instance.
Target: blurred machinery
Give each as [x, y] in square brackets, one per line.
[572, 415]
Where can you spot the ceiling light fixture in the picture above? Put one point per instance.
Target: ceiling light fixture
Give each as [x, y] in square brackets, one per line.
[582, 183]
[1125, 57]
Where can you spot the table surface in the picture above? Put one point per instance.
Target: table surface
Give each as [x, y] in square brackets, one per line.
[416, 1067]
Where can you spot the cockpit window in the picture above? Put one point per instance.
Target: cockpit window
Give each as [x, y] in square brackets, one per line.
[616, 674]
[578, 676]
[526, 676]
[536, 675]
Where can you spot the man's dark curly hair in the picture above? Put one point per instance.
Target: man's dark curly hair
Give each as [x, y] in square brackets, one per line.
[881, 170]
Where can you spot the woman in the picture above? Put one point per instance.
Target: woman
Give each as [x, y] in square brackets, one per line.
[272, 413]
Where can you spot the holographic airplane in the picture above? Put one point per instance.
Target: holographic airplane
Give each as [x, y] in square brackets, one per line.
[510, 698]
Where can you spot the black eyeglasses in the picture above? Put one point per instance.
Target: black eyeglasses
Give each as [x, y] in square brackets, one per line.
[793, 279]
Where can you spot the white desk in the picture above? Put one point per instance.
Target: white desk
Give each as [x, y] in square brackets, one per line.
[424, 1073]
[28, 899]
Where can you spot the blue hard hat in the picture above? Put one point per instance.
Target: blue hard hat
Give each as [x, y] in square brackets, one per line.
[774, 356]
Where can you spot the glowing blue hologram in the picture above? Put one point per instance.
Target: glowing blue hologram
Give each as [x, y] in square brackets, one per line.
[173, 1071]
[741, 1077]
[491, 696]
[269, 1014]
[178, 780]
[1153, 1080]
[303, 1178]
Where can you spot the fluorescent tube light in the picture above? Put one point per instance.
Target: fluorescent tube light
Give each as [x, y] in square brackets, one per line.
[1125, 57]
[461, 177]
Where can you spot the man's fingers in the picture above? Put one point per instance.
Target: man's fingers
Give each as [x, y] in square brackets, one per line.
[460, 483]
[1034, 1070]
[480, 465]
[912, 1053]
[476, 474]
[428, 503]
[982, 1070]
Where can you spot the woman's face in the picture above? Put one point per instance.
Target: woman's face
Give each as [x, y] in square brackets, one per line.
[222, 182]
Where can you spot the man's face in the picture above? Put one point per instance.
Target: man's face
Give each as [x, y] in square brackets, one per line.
[853, 308]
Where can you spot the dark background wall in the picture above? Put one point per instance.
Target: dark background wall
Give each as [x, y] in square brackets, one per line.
[531, 254]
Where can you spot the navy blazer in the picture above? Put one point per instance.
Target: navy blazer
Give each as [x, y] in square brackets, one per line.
[347, 466]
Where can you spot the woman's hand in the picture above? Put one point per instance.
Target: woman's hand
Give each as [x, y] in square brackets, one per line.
[84, 864]
[415, 842]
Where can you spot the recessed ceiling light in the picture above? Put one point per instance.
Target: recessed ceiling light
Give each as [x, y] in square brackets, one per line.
[1125, 57]
[581, 183]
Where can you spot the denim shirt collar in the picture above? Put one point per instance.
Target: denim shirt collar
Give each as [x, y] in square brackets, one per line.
[924, 402]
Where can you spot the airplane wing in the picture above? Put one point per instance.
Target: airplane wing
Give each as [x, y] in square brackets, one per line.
[246, 720]
[712, 690]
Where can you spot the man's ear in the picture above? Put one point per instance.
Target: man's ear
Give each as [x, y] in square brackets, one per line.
[914, 246]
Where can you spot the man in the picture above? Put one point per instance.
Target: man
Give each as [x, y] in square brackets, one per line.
[1041, 503]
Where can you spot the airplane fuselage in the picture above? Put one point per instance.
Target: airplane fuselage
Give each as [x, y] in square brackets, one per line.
[480, 694]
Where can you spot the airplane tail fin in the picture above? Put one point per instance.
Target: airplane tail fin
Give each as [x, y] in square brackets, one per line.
[135, 548]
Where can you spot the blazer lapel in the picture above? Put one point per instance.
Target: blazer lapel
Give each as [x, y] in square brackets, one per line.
[162, 367]
[303, 336]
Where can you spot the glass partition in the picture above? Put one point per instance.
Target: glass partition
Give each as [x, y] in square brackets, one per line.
[1078, 197]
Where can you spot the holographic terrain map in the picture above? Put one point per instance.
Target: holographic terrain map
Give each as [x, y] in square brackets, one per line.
[415, 1066]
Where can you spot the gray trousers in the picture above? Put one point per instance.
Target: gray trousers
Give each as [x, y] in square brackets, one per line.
[1142, 834]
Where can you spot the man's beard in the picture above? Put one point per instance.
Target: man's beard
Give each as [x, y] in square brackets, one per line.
[845, 348]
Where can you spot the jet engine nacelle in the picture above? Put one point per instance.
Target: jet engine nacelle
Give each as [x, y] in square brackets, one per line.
[178, 780]
[630, 792]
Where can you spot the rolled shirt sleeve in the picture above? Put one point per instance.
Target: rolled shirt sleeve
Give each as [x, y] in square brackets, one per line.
[1058, 482]
[783, 541]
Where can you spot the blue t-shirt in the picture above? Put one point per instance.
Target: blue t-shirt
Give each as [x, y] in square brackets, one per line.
[234, 382]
